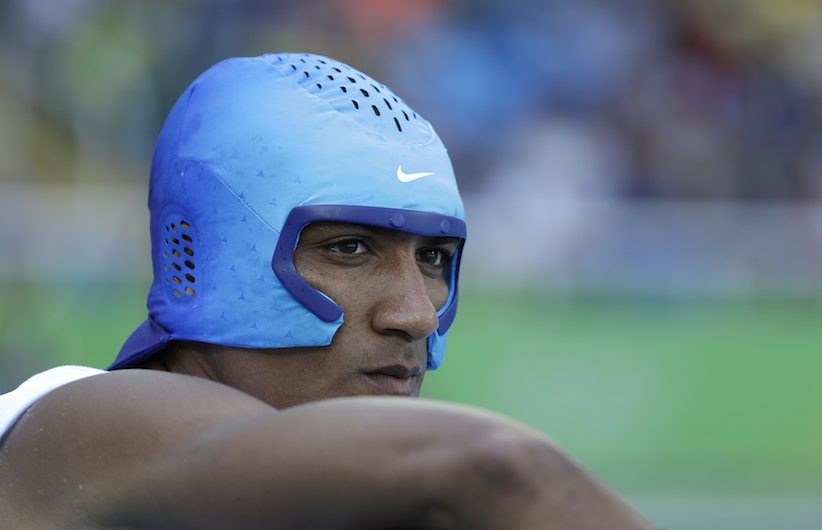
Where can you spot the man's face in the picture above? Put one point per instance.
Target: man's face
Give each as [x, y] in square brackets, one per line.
[390, 285]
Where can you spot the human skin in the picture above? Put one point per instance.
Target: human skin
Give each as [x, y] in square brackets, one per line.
[226, 438]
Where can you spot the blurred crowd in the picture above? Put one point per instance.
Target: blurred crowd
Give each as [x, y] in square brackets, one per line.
[694, 99]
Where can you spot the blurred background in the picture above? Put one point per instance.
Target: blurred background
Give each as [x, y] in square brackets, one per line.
[643, 180]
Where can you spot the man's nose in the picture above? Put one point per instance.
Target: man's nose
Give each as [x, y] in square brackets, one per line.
[404, 304]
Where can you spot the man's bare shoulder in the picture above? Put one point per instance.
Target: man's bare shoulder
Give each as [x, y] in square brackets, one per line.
[144, 403]
[131, 396]
[86, 433]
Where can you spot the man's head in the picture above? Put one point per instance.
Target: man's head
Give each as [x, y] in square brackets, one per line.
[257, 157]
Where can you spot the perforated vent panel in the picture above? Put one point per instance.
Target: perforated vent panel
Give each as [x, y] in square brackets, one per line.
[179, 259]
[351, 92]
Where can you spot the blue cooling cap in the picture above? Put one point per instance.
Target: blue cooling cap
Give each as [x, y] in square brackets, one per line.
[253, 151]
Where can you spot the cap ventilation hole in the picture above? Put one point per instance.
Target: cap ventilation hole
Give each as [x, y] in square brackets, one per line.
[322, 77]
[173, 263]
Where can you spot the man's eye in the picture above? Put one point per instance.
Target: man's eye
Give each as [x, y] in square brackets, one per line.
[349, 246]
[434, 257]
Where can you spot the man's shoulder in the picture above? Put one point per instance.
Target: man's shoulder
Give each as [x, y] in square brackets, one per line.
[68, 403]
[130, 394]
[15, 403]
[124, 407]
[109, 425]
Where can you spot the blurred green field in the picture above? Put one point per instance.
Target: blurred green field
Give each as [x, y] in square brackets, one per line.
[704, 394]
[661, 398]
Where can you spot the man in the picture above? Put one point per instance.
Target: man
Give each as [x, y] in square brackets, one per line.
[306, 237]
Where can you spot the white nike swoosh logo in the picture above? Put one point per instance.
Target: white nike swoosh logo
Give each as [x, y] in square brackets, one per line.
[408, 177]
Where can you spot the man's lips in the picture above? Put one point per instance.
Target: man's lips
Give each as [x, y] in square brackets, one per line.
[395, 379]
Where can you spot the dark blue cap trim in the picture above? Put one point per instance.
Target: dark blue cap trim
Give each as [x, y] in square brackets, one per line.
[420, 223]
[146, 341]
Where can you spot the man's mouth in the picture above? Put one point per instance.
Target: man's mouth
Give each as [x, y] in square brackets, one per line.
[395, 379]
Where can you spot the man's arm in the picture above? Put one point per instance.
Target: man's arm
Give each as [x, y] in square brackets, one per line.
[140, 449]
